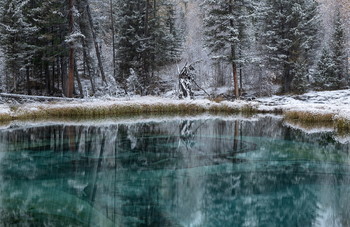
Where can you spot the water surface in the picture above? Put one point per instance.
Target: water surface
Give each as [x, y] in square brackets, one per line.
[191, 171]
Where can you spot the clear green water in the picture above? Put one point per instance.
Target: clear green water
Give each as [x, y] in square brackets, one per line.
[199, 172]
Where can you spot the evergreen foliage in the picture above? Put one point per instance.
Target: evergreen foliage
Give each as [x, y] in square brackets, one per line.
[326, 77]
[16, 32]
[225, 31]
[146, 40]
[262, 42]
[331, 71]
[290, 39]
[338, 48]
[32, 36]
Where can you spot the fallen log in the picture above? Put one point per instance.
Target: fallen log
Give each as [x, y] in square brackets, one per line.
[34, 97]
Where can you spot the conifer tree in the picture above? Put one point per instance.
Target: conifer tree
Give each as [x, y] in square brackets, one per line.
[290, 39]
[326, 76]
[338, 48]
[146, 40]
[225, 32]
[16, 32]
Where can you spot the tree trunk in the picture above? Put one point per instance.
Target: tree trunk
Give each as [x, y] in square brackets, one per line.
[70, 79]
[98, 54]
[234, 72]
[87, 63]
[78, 81]
[28, 81]
[47, 77]
[64, 74]
[287, 79]
[235, 80]
[113, 40]
[233, 57]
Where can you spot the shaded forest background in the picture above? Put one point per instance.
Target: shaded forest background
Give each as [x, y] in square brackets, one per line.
[84, 48]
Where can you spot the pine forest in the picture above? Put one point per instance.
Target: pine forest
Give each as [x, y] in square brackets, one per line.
[236, 48]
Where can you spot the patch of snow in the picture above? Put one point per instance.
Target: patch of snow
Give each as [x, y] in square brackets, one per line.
[5, 110]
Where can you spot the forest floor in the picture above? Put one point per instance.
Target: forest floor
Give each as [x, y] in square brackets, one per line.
[310, 107]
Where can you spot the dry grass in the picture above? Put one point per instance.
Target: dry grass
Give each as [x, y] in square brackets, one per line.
[342, 125]
[64, 112]
[217, 99]
[117, 110]
[5, 117]
[308, 116]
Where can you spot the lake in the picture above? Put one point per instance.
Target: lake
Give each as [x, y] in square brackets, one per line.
[173, 171]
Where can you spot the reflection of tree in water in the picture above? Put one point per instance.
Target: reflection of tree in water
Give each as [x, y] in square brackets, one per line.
[187, 133]
[245, 199]
[138, 175]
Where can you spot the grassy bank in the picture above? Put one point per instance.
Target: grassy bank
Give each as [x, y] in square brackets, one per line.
[47, 111]
[341, 124]
[88, 110]
[310, 117]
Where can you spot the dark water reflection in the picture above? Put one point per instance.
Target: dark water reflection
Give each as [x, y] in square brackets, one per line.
[209, 171]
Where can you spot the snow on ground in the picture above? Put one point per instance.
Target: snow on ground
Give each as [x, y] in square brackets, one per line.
[326, 102]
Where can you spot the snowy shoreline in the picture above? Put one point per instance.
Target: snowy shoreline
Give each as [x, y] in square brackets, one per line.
[333, 104]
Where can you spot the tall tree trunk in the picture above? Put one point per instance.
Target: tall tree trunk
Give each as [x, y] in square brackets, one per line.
[64, 74]
[240, 74]
[28, 81]
[87, 64]
[113, 39]
[80, 87]
[233, 57]
[235, 80]
[70, 79]
[58, 73]
[234, 71]
[47, 77]
[97, 49]
[53, 77]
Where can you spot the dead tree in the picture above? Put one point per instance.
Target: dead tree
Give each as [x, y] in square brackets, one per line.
[186, 78]
[186, 82]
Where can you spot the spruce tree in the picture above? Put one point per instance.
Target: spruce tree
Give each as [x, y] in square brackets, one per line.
[338, 48]
[146, 40]
[16, 33]
[290, 38]
[326, 77]
[224, 24]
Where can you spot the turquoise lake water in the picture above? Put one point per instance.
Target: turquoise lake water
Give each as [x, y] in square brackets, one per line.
[190, 171]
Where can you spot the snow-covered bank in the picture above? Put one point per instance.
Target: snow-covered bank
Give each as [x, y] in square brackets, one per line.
[115, 106]
[314, 106]
[331, 103]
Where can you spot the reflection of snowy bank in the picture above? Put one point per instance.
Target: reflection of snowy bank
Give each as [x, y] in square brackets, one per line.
[344, 139]
[310, 128]
[314, 128]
